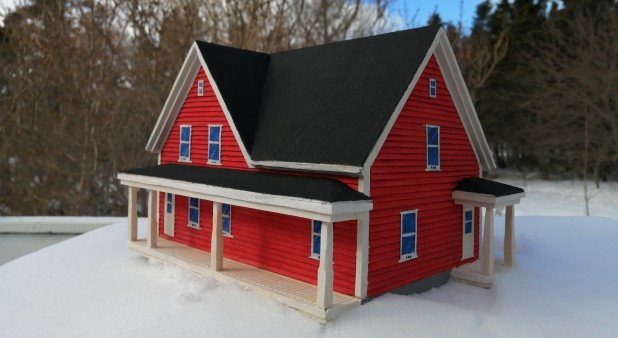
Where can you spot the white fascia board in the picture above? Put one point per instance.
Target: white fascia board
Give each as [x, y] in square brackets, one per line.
[391, 122]
[346, 170]
[300, 207]
[462, 100]
[226, 112]
[180, 90]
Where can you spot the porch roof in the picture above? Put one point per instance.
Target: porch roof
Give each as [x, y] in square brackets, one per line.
[486, 193]
[311, 197]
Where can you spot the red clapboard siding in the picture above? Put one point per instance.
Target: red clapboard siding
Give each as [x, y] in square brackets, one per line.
[199, 112]
[399, 182]
[270, 241]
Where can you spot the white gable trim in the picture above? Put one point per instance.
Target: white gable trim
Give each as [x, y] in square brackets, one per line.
[463, 102]
[177, 96]
[459, 93]
[174, 102]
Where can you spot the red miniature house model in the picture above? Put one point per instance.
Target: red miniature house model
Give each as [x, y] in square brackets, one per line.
[325, 175]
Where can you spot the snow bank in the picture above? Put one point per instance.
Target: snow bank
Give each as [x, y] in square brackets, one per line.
[91, 285]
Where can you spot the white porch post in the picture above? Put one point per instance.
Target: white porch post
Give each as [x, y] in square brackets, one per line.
[325, 270]
[216, 239]
[487, 258]
[132, 214]
[509, 236]
[362, 256]
[152, 234]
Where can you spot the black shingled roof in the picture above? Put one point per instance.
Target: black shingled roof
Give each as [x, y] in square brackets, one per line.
[313, 188]
[240, 76]
[326, 104]
[487, 187]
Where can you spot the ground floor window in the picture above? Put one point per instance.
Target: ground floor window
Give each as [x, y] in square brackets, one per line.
[316, 234]
[226, 215]
[468, 220]
[408, 235]
[194, 213]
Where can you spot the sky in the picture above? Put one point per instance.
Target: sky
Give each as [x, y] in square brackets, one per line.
[416, 11]
[449, 10]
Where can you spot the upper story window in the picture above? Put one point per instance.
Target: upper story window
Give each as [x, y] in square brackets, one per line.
[184, 154]
[408, 235]
[226, 215]
[214, 144]
[194, 213]
[316, 237]
[433, 92]
[200, 88]
[433, 147]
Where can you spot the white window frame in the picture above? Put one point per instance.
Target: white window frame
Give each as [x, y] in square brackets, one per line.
[223, 217]
[407, 257]
[319, 235]
[427, 146]
[181, 142]
[191, 224]
[200, 88]
[433, 84]
[466, 209]
[210, 126]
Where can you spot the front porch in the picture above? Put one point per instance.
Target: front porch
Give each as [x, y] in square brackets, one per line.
[293, 293]
[482, 193]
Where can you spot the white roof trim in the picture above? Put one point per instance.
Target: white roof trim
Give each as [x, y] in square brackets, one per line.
[300, 207]
[445, 57]
[462, 100]
[177, 96]
[487, 201]
[300, 166]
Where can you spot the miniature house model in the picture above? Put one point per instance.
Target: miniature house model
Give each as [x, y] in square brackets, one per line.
[323, 176]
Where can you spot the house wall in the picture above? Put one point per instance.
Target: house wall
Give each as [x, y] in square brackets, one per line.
[400, 182]
[270, 241]
[273, 242]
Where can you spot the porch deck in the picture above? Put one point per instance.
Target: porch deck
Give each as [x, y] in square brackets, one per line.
[471, 273]
[291, 292]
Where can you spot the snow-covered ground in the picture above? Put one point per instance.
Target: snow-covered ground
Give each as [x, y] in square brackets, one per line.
[565, 198]
[564, 285]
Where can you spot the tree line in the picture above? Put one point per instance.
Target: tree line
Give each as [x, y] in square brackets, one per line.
[83, 82]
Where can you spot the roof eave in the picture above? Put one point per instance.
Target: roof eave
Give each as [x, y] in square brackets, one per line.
[295, 206]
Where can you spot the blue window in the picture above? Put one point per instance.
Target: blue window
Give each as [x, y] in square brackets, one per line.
[468, 221]
[194, 213]
[185, 143]
[316, 234]
[433, 147]
[214, 144]
[408, 235]
[200, 88]
[432, 88]
[169, 199]
[226, 215]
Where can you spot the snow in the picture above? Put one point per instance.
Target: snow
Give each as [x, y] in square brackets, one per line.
[564, 285]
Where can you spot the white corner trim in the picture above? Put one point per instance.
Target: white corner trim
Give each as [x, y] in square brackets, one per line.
[300, 166]
[462, 101]
[300, 207]
[226, 112]
[391, 122]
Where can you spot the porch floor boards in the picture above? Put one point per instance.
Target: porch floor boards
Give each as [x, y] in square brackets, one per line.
[289, 291]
